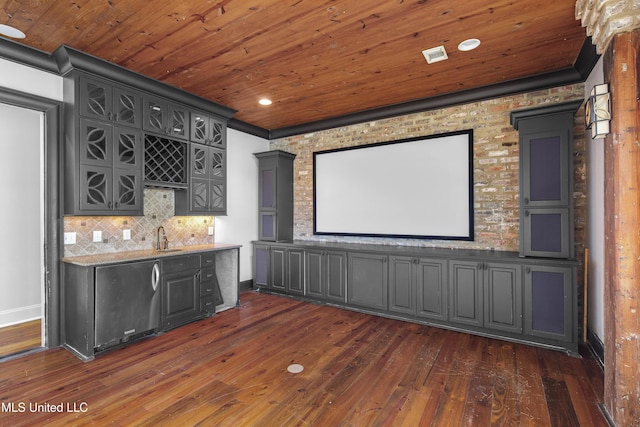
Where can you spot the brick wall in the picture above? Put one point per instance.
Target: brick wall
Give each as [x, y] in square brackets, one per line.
[495, 164]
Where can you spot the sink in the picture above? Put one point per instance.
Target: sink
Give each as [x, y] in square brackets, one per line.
[168, 250]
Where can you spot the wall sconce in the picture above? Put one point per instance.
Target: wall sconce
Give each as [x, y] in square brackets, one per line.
[597, 112]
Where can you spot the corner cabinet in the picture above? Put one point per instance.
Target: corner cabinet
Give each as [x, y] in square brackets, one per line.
[275, 189]
[494, 294]
[546, 180]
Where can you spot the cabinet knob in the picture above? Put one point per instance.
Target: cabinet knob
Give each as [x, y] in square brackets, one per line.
[528, 270]
[526, 200]
[526, 213]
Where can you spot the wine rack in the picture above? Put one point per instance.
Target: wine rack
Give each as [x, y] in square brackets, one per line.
[165, 162]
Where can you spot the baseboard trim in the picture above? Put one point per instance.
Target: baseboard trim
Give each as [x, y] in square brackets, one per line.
[596, 346]
[245, 285]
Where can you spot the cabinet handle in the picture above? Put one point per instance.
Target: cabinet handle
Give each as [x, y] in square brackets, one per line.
[526, 213]
[115, 117]
[110, 116]
[528, 270]
[526, 200]
[109, 204]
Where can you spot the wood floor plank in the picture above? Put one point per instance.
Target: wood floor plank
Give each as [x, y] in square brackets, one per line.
[231, 370]
[20, 337]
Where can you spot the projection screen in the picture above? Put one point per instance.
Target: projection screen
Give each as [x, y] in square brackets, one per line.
[413, 188]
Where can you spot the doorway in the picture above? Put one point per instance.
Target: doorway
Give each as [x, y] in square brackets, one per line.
[30, 248]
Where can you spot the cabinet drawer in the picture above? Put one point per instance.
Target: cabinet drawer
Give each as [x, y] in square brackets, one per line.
[208, 304]
[208, 259]
[180, 263]
[207, 281]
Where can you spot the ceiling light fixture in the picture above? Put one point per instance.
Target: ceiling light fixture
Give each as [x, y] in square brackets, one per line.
[14, 33]
[264, 101]
[468, 45]
[435, 54]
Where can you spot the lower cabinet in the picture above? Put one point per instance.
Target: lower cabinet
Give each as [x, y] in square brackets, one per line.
[486, 295]
[549, 303]
[367, 280]
[180, 283]
[496, 294]
[326, 275]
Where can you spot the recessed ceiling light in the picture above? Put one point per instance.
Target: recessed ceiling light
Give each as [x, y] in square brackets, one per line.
[264, 101]
[6, 30]
[468, 45]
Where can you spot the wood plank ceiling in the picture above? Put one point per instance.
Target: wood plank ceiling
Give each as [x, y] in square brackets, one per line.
[316, 59]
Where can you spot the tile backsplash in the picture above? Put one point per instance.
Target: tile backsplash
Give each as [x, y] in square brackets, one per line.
[159, 208]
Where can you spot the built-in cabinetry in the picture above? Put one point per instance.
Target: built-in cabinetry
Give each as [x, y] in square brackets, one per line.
[497, 294]
[110, 299]
[275, 204]
[124, 131]
[546, 180]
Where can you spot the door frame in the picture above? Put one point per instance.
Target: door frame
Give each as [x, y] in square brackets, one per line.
[53, 215]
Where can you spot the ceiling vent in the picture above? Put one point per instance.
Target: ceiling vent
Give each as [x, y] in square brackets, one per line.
[435, 54]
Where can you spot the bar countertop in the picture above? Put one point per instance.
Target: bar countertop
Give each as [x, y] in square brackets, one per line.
[130, 256]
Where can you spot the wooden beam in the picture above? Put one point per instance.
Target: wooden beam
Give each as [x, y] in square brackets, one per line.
[622, 225]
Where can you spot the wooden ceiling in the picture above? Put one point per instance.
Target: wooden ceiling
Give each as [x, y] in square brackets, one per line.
[316, 59]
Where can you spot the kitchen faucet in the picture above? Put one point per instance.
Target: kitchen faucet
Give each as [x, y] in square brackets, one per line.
[165, 242]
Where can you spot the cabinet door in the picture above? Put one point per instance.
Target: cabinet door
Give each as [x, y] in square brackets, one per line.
[431, 280]
[367, 278]
[177, 121]
[546, 169]
[315, 273]
[268, 226]
[96, 143]
[295, 271]
[199, 195]
[127, 148]
[465, 292]
[96, 188]
[154, 115]
[217, 197]
[128, 190]
[218, 133]
[546, 232]
[548, 303]
[503, 297]
[268, 184]
[336, 274]
[199, 128]
[261, 261]
[278, 268]
[402, 285]
[127, 107]
[95, 98]
[181, 298]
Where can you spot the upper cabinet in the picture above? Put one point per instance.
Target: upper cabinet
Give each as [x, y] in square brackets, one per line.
[165, 118]
[103, 100]
[208, 130]
[124, 130]
[207, 191]
[546, 180]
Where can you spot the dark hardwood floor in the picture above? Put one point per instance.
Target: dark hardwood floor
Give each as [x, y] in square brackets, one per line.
[21, 337]
[359, 370]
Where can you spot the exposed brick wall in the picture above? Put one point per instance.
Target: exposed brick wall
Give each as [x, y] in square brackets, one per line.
[495, 164]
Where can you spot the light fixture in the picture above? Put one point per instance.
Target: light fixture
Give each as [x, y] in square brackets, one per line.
[597, 111]
[435, 54]
[14, 33]
[264, 101]
[468, 45]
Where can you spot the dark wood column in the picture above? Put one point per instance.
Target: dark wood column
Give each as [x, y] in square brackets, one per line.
[622, 231]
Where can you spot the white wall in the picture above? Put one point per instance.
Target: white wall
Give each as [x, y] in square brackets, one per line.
[30, 80]
[240, 226]
[595, 218]
[21, 287]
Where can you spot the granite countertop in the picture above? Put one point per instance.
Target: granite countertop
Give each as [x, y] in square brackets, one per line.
[120, 257]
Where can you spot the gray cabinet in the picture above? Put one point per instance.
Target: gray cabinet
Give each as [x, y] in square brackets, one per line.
[164, 117]
[275, 192]
[549, 303]
[367, 280]
[417, 287]
[546, 180]
[486, 295]
[180, 284]
[208, 130]
[261, 266]
[210, 295]
[207, 191]
[106, 101]
[326, 275]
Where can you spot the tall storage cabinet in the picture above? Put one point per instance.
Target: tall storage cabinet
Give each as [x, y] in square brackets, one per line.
[546, 180]
[275, 195]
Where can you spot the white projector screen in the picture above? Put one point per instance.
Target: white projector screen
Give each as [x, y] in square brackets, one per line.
[414, 188]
